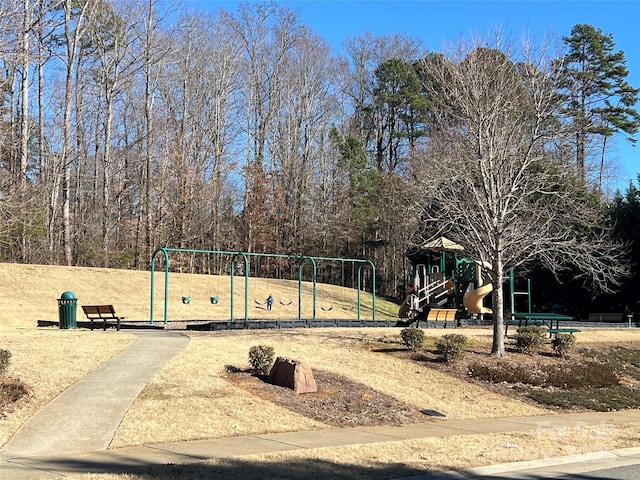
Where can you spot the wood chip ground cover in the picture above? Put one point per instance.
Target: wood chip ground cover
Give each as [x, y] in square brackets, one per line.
[339, 401]
[343, 402]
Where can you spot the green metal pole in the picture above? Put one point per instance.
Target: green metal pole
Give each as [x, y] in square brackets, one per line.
[359, 285]
[233, 275]
[166, 284]
[529, 293]
[373, 289]
[315, 280]
[512, 286]
[153, 265]
[300, 263]
[246, 286]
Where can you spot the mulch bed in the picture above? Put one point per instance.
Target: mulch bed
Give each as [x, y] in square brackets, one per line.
[339, 401]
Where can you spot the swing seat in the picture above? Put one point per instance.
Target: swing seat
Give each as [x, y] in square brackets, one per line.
[285, 303]
[214, 300]
[186, 300]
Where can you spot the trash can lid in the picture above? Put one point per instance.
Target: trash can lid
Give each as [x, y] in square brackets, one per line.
[68, 296]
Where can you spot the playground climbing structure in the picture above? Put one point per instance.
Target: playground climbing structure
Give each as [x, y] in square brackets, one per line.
[444, 285]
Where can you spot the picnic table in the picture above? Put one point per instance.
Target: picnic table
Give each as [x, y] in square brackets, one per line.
[543, 318]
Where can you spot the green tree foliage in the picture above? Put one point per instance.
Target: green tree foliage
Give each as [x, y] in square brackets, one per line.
[597, 97]
[398, 113]
[363, 179]
[625, 211]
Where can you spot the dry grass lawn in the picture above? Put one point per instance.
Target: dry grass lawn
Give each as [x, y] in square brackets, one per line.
[192, 399]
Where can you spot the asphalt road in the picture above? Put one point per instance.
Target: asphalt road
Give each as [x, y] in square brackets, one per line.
[630, 472]
[624, 472]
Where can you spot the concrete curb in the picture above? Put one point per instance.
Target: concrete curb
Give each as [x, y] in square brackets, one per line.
[543, 468]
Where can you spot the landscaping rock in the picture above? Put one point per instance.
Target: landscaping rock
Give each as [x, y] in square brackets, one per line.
[293, 374]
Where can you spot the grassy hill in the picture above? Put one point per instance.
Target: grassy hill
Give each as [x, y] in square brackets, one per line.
[30, 293]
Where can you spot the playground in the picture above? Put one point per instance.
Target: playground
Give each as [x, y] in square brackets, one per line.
[243, 286]
[195, 397]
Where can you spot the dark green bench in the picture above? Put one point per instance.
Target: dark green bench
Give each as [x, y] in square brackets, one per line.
[556, 331]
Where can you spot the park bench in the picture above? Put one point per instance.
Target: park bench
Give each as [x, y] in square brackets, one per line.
[441, 314]
[606, 317]
[101, 312]
[556, 331]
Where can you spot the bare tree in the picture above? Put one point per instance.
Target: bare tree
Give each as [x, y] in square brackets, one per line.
[76, 15]
[306, 106]
[492, 182]
[365, 53]
[267, 33]
[198, 90]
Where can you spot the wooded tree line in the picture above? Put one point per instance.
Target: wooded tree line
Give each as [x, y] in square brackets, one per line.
[126, 127]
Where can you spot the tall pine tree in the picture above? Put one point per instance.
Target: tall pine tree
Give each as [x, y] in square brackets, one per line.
[597, 97]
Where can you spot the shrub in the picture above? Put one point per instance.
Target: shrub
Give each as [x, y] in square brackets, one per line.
[451, 347]
[591, 375]
[10, 392]
[530, 339]
[413, 338]
[5, 360]
[503, 372]
[563, 344]
[581, 375]
[261, 358]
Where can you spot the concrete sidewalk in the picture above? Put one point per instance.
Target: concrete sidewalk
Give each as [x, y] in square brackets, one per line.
[85, 416]
[22, 467]
[70, 436]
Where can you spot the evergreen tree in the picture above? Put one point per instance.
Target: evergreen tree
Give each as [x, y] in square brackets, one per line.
[397, 115]
[597, 97]
[625, 210]
[363, 179]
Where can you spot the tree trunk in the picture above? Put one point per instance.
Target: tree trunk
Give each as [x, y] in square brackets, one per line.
[145, 251]
[24, 121]
[497, 347]
[66, 137]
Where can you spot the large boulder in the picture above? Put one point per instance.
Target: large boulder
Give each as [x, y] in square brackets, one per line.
[293, 374]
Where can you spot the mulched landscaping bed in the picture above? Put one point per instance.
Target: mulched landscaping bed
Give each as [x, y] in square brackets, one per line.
[339, 401]
[343, 403]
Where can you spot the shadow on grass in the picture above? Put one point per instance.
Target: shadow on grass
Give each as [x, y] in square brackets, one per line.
[390, 350]
[295, 469]
[233, 469]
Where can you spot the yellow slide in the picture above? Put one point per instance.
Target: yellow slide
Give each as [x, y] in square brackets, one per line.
[472, 300]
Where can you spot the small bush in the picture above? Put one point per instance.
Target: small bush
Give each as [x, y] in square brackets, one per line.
[563, 344]
[5, 360]
[261, 358]
[10, 392]
[413, 338]
[451, 347]
[530, 339]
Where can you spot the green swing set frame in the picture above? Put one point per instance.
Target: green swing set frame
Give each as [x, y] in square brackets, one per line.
[301, 260]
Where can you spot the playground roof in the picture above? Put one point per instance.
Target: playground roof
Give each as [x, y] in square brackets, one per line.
[441, 244]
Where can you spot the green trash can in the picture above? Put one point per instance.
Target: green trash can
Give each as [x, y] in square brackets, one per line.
[67, 304]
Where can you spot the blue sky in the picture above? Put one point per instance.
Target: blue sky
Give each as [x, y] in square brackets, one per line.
[439, 22]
